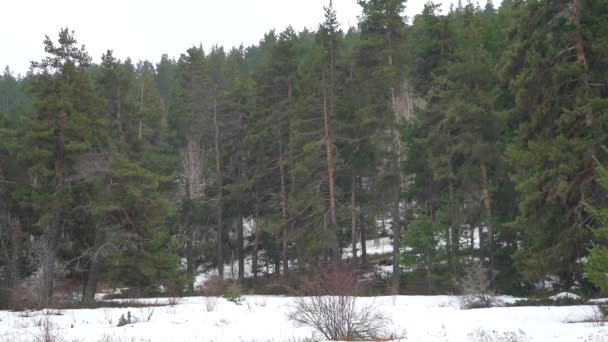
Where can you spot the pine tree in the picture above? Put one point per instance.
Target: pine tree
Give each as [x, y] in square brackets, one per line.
[382, 31]
[550, 65]
[66, 132]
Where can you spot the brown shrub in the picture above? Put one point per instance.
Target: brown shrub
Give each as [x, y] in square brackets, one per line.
[214, 286]
[20, 298]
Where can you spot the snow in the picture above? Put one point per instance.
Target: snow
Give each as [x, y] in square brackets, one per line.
[264, 318]
[565, 295]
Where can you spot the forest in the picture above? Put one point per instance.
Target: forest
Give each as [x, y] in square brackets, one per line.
[475, 133]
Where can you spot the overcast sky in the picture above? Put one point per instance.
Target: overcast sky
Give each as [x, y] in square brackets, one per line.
[145, 29]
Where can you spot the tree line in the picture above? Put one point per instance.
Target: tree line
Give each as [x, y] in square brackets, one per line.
[468, 133]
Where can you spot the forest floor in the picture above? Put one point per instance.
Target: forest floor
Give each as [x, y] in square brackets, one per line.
[264, 318]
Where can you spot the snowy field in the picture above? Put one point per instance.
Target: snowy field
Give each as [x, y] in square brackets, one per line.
[264, 318]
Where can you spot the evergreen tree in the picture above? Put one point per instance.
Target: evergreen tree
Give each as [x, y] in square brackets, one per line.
[551, 63]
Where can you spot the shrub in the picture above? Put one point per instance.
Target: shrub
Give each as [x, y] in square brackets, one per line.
[476, 287]
[17, 299]
[328, 304]
[603, 309]
[545, 301]
[47, 331]
[210, 303]
[481, 335]
[214, 286]
[233, 294]
[129, 319]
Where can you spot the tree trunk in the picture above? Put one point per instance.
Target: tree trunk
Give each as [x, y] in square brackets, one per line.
[487, 204]
[256, 241]
[46, 284]
[353, 217]
[190, 259]
[12, 249]
[362, 230]
[47, 278]
[396, 227]
[329, 143]
[88, 297]
[141, 107]
[363, 244]
[452, 232]
[283, 207]
[397, 195]
[119, 119]
[218, 170]
[277, 265]
[60, 146]
[581, 56]
[239, 227]
[239, 247]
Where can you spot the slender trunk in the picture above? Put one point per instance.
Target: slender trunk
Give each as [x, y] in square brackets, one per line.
[363, 245]
[283, 206]
[472, 238]
[362, 230]
[239, 227]
[52, 234]
[277, 265]
[330, 167]
[396, 226]
[284, 198]
[239, 247]
[353, 218]
[47, 280]
[119, 119]
[581, 56]
[189, 234]
[12, 253]
[451, 246]
[93, 272]
[487, 204]
[190, 259]
[218, 170]
[60, 146]
[141, 107]
[429, 275]
[256, 240]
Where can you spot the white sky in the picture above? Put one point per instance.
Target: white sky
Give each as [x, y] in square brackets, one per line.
[145, 29]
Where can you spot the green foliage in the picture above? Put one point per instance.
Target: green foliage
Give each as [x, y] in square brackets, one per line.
[597, 263]
[475, 129]
[424, 254]
[234, 294]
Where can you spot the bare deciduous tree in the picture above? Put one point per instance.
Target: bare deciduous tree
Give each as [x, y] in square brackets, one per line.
[192, 163]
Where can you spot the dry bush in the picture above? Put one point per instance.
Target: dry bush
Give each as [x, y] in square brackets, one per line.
[481, 335]
[47, 331]
[21, 298]
[146, 313]
[476, 287]
[173, 301]
[214, 286]
[327, 303]
[210, 303]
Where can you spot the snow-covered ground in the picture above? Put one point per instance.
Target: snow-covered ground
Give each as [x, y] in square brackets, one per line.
[264, 318]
